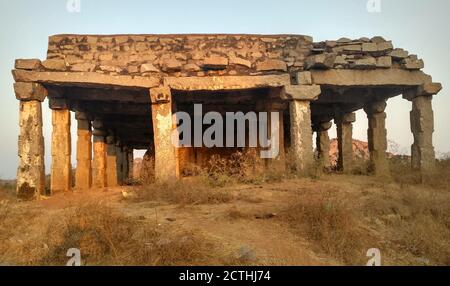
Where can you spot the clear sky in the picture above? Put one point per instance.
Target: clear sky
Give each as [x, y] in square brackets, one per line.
[419, 26]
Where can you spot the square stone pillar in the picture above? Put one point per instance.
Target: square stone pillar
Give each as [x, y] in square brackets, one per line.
[130, 157]
[165, 151]
[377, 137]
[125, 164]
[119, 162]
[31, 170]
[323, 144]
[345, 141]
[83, 173]
[111, 162]
[422, 126]
[301, 134]
[61, 168]
[99, 162]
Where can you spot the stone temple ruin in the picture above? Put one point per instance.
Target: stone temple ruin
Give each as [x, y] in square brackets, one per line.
[124, 89]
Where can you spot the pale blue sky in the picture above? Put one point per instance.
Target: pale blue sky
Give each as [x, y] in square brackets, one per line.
[418, 26]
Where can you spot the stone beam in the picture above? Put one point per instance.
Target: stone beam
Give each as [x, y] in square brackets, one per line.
[378, 77]
[110, 108]
[85, 79]
[110, 94]
[226, 82]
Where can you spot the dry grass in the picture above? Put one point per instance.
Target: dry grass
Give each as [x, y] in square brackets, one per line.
[190, 191]
[107, 237]
[330, 224]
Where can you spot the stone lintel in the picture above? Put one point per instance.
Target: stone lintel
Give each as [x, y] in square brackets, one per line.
[85, 79]
[226, 82]
[26, 91]
[300, 92]
[427, 89]
[369, 78]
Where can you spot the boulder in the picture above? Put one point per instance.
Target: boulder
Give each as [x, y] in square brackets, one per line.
[27, 64]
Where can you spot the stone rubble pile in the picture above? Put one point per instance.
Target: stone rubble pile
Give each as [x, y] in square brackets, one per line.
[363, 53]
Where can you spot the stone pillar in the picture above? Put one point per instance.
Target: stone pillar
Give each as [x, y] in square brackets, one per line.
[301, 134]
[31, 170]
[130, 157]
[422, 127]
[83, 173]
[345, 141]
[99, 162]
[323, 144]
[165, 157]
[377, 137]
[61, 169]
[119, 162]
[125, 164]
[111, 162]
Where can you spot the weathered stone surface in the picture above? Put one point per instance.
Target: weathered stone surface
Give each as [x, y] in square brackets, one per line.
[412, 64]
[30, 91]
[431, 88]
[322, 61]
[301, 139]
[369, 47]
[111, 162]
[215, 62]
[301, 92]
[165, 159]
[83, 173]
[85, 67]
[399, 54]
[99, 162]
[27, 64]
[365, 63]
[55, 64]
[240, 61]
[376, 77]
[384, 62]
[323, 145]
[31, 170]
[422, 127]
[85, 78]
[345, 140]
[271, 65]
[377, 39]
[226, 82]
[191, 67]
[148, 68]
[171, 65]
[61, 168]
[304, 78]
[384, 46]
[377, 137]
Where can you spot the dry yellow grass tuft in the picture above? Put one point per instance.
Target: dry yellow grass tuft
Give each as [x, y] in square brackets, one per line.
[330, 224]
